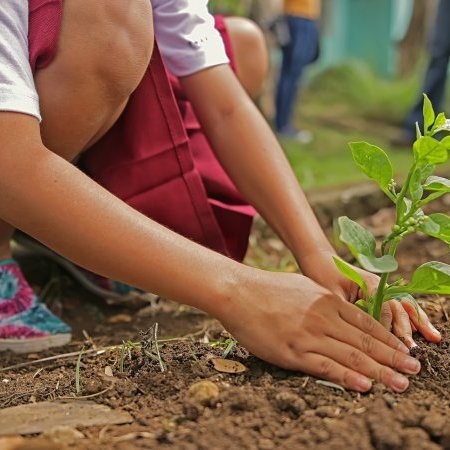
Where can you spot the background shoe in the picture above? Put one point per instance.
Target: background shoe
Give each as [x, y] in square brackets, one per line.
[26, 325]
[301, 136]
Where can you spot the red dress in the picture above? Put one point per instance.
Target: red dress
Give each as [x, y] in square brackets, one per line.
[156, 157]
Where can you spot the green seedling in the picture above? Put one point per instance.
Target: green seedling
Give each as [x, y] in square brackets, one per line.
[420, 188]
[77, 373]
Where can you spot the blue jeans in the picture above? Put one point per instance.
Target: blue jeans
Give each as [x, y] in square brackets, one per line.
[436, 74]
[302, 49]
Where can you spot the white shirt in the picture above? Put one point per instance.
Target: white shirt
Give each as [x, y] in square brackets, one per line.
[184, 30]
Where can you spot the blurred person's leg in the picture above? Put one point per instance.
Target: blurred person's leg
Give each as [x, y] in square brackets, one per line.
[300, 52]
[436, 75]
[434, 86]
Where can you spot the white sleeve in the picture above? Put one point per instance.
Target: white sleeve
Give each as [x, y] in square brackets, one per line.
[17, 90]
[186, 36]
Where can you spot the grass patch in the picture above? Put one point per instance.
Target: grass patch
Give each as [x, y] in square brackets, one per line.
[344, 104]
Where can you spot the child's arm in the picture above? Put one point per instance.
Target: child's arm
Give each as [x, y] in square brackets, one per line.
[283, 318]
[253, 158]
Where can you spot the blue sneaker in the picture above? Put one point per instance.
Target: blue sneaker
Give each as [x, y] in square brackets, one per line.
[26, 325]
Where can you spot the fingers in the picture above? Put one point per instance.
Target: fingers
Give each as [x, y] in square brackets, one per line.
[359, 319]
[328, 369]
[401, 325]
[386, 317]
[362, 346]
[421, 322]
[360, 362]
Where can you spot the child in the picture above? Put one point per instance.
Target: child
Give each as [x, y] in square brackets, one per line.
[90, 92]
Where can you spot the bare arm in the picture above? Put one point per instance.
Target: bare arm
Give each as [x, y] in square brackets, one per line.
[252, 156]
[52, 200]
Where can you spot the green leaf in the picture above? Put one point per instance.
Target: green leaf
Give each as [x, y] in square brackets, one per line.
[435, 183]
[385, 264]
[427, 170]
[361, 304]
[359, 240]
[446, 141]
[428, 150]
[438, 226]
[430, 278]
[351, 274]
[374, 162]
[405, 207]
[428, 113]
[439, 122]
[415, 185]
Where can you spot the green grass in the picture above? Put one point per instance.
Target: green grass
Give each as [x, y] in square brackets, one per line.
[344, 104]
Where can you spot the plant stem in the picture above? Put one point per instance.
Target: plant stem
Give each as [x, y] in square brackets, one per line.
[379, 295]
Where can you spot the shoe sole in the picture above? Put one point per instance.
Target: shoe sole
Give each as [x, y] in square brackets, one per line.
[34, 345]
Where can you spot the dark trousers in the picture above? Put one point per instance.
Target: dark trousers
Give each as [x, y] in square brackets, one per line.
[436, 74]
[302, 50]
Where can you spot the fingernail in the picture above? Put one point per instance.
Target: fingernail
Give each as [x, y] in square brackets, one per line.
[399, 382]
[410, 342]
[403, 348]
[411, 365]
[435, 332]
[363, 384]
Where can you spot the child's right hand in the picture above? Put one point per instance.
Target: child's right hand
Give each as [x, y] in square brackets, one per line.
[289, 320]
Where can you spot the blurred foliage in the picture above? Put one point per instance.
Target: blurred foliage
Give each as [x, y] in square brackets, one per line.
[349, 103]
[355, 85]
[234, 7]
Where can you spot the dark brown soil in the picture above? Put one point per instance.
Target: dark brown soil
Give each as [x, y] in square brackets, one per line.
[262, 408]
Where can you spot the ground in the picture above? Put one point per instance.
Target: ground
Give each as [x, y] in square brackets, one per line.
[263, 407]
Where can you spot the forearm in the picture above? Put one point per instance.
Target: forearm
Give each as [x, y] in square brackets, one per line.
[253, 158]
[53, 201]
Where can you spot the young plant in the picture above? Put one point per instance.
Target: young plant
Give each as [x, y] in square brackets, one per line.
[420, 188]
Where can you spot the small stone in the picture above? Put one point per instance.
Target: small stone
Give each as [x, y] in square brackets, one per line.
[63, 435]
[204, 393]
[390, 400]
[290, 402]
[327, 411]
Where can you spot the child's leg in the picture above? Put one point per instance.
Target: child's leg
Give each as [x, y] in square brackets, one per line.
[82, 93]
[250, 53]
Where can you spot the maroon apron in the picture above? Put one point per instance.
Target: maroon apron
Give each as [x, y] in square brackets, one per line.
[156, 157]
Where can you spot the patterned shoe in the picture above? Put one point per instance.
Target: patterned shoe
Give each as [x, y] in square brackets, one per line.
[26, 325]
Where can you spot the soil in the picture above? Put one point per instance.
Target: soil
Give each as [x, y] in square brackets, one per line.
[262, 408]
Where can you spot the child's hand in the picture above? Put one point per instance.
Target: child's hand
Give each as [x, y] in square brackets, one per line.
[399, 317]
[403, 319]
[289, 320]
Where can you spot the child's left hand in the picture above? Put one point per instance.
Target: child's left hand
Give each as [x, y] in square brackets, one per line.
[400, 317]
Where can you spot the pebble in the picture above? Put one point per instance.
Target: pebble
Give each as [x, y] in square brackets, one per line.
[288, 401]
[204, 393]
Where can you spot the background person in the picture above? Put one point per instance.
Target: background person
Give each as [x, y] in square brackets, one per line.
[301, 49]
[436, 74]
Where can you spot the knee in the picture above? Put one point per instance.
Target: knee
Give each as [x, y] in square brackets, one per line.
[126, 44]
[250, 51]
